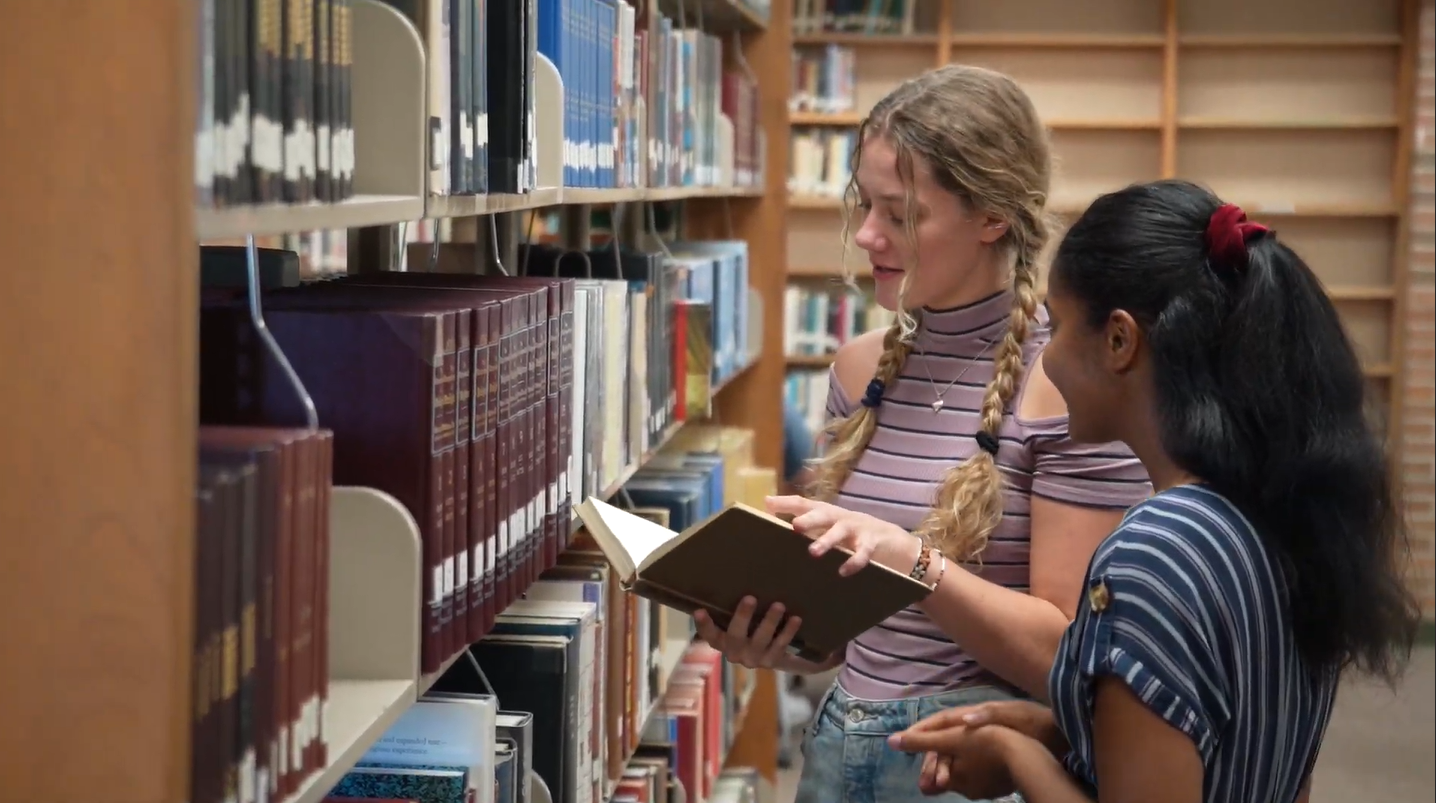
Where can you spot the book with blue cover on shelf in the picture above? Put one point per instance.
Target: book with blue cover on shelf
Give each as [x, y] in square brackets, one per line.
[440, 733]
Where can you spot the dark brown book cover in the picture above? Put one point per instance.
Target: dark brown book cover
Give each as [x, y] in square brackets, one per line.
[741, 552]
[323, 445]
[273, 451]
[481, 476]
[458, 458]
[229, 491]
[259, 526]
[376, 379]
[206, 769]
[552, 367]
[519, 418]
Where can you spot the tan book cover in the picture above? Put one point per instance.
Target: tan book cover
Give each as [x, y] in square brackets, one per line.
[741, 551]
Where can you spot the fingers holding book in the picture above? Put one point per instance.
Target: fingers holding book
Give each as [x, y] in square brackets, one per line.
[865, 538]
[760, 645]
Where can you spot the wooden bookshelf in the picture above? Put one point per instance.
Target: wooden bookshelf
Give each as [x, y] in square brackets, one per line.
[1299, 110]
[100, 316]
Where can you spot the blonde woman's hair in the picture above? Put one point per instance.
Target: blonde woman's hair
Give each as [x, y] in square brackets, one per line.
[978, 133]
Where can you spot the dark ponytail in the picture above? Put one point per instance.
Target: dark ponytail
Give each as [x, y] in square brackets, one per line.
[1261, 395]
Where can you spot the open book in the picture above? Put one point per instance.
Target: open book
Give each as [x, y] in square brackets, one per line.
[742, 552]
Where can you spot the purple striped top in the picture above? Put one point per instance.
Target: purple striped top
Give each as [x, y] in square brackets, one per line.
[908, 655]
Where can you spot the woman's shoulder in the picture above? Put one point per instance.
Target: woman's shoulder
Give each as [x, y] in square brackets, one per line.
[1191, 531]
[856, 363]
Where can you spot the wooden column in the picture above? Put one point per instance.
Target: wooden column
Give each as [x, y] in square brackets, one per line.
[97, 420]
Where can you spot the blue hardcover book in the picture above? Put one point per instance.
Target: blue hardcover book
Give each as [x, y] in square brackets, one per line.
[707, 475]
[420, 785]
[441, 733]
[608, 21]
[570, 94]
[726, 279]
[682, 497]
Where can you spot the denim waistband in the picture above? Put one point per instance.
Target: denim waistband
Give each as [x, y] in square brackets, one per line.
[882, 717]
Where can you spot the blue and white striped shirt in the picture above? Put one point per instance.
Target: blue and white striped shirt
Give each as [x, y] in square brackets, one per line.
[1185, 606]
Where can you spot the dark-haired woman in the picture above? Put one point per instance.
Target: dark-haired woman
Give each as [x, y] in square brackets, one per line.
[1222, 612]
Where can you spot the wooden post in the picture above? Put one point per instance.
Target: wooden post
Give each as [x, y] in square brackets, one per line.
[98, 342]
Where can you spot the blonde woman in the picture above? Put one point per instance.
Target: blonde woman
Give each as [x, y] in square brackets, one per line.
[947, 455]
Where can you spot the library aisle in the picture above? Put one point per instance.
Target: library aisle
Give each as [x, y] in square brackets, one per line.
[320, 321]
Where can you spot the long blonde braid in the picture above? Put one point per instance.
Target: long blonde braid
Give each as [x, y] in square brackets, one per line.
[979, 134]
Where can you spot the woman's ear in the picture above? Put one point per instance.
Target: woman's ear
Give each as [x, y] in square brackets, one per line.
[992, 229]
[1122, 339]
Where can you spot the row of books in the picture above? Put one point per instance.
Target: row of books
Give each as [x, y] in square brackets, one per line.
[261, 611]
[643, 97]
[855, 16]
[824, 80]
[274, 117]
[261, 640]
[474, 739]
[821, 161]
[487, 406]
[806, 390]
[599, 693]
[820, 319]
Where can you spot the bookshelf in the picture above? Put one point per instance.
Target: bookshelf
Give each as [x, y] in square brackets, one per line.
[100, 419]
[1298, 111]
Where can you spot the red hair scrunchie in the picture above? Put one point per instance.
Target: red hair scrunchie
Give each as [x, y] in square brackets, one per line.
[1227, 235]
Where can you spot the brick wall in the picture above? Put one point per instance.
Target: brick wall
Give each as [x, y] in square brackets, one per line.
[1416, 439]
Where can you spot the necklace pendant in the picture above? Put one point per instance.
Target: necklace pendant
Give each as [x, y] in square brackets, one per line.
[937, 406]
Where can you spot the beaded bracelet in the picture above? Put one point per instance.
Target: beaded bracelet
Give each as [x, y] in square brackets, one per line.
[924, 559]
[941, 570]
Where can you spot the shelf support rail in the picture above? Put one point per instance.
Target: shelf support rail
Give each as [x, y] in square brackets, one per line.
[256, 318]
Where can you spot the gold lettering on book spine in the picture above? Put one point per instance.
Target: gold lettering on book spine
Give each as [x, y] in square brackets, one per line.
[229, 677]
[246, 642]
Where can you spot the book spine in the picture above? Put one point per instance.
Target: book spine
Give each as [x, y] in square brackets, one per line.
[323, 87]
[553, 432]
[463, 496]
[433, 641]
[248, 551]
[323, 486]
[503, 457]
[445, 443]
[493, 499]
[280, 779]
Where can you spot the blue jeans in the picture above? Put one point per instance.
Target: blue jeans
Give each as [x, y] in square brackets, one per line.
[846, 758]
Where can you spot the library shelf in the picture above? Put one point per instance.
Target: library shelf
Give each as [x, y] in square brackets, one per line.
[1272, 41]
[1289, 124]
[1065, 41]
[279, 218]
[842, 119]
[1297, 110]
[374, 590]
[389, 162]
[449, 206]
[136, 259]
[719, 16]
[362, 710]
[380, 210]
[809, 360]
[850, 39]
[387, 96]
